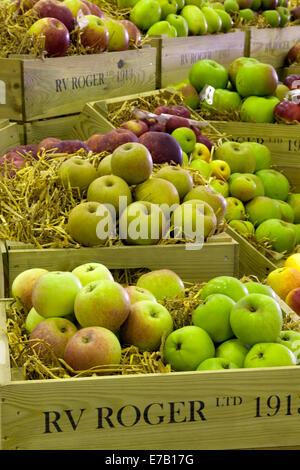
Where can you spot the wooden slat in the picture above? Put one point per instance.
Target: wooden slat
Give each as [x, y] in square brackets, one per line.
[11, 89]
[59, 127]
[89, 122]
[9, 136]
[5, 374]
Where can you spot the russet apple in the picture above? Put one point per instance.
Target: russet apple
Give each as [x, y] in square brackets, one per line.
[283, 280]
[146, 325]
[91, 347]
[76, 172]
[104, 167]
[207, 194]
[108, 190]
[54, 293]
[87, 221]
[102, 303]
[158, 191]
[132, 162]
[278, 233]
[162, 283]
[194, 220]
[142, 223]
[163, 147]
[95, 34]
[23, 285]
[243, 188]
[55, 9]
[136, 294]
[50, 337]
[179, 177]
[57, 36]
[114, 139]
[90, 272]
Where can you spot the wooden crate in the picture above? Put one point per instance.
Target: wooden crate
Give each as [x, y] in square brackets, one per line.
[59, 127]
[252, 261]
[292, 69]
[283, 140]
[94, 117]
[218, 255]
[270, 45]
[211, 410]
[33, 89]
[9, 135]
[177, 55]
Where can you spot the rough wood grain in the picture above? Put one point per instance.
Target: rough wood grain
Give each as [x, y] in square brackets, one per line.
[59, 127]
[9, 136]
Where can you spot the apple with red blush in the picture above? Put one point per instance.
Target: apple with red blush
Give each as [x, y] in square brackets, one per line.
[114, 139]
[57, 36]
[137, 126]
[135, 36]
[55, 9]
[287, 111]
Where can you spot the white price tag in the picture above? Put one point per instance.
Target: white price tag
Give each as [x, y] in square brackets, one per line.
[207, 94]
[81, 20]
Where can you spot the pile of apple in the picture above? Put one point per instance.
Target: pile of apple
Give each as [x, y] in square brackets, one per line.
[85, 318]
[276, 13]
[259, 198]
[285, 281]
[57, 20]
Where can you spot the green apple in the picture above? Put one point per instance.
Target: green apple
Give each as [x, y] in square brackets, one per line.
[233, 350]
[287, 213]
[142, 223]
[146, 325]
[102, 303]
[296, 228]
[76, 172]
[243, 188]
[262, 208]
[226, 20]
[256, 4]
[258, 109]
[224, 101]
[185, 159]
[254, 287]
[279, 234]
[161, 27]
[256, 318]
[186, 138]
[90, 272]
[136, 294]
[91, 224]
[235, 66]
[207, 194]
[273, 17]
[284, 14]
[193, 219]
[260, 190]
[132, 162]
[276, 184]
[54, 294]
[167, 7]
[198, 3]
[217, 363]
[118, 35]
[231, 6]
[195, 19]
[104, 167]
[235, 209]
[32, 320]
[294, 201]
[290, 339]
[242, 226]
[281, 91]
[126, 3]
[217, 6]
[157, 191]
[179, 23]
[208, 72]
[256, 79]
[227, 285]
[262, 155]
[162, 283]
[247, 14]
[108, 190]
[213, 316]
[179, 177]
[145, 13]
[269, 354]
[239, 157]
[213, 20]
[203, 167]
[189, 94]
[220, 186]
[185, 348]
[180, 5]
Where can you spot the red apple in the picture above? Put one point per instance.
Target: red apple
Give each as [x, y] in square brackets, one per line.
[295, 13]
[23, 284]
[95, 34]
[293, 55]
[50, 337]
[163, 147]
[91, 347]
[293, 300]
[136, 126]
[135, 36]
[57, 36]
[93, 141]
[162, 110]
[179, 110]
[24, 150]
[175, 122]
[71, 146]
[287, 111]
[55, 9]
[11, 163]
[114, 139]
[48, 143]
[94, 9]
[292, 81]
[157, 127]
